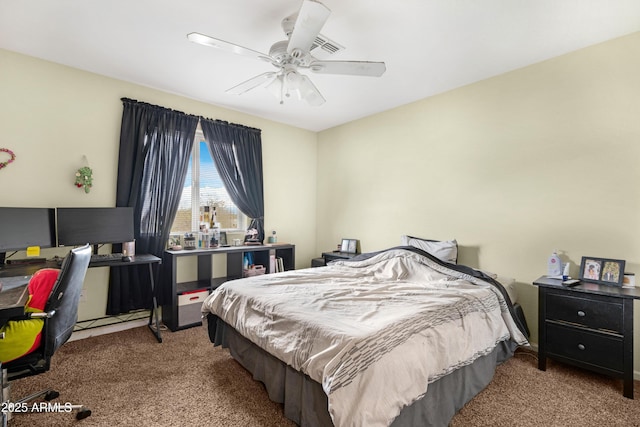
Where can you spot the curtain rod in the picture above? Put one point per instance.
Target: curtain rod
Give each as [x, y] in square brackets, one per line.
[134, 101]
[224, 122]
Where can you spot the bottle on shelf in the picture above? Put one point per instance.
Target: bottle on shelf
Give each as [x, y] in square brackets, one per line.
[214, 218]
[206, 217]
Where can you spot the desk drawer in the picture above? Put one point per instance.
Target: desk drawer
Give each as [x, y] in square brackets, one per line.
[189, 307]
[596, 314]
[585, 346]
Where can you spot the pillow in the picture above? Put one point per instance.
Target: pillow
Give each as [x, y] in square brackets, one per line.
[23, 336]
[40, 286]
[445, 250]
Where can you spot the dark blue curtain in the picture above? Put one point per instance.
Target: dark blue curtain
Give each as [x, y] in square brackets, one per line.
[155, 146]
[237, 152]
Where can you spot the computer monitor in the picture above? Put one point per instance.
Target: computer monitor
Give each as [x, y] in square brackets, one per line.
[21, 228]
[77, 226]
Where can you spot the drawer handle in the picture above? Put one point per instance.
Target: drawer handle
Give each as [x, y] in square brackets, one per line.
[581, 346]
[581, 313]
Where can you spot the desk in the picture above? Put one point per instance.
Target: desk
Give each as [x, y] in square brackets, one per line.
[140, 259]
[12, 303]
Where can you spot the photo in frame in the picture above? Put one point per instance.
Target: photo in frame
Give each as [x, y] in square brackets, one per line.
[603, 271]
[349, 246]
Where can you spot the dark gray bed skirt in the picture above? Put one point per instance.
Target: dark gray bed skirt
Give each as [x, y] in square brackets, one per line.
[305, 402]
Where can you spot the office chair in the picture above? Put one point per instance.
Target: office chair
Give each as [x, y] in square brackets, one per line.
[60, 316]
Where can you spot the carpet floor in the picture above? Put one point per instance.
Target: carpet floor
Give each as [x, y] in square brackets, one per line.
[129, 379]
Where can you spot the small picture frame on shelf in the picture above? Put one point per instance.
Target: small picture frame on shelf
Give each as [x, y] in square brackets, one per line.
[603, 271]
[223, 239]
[349, 246]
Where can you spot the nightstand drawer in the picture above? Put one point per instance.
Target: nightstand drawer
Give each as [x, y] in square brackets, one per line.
[580, 344]
[596, 314]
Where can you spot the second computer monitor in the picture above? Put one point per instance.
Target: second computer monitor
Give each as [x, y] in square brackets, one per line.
[77, 226]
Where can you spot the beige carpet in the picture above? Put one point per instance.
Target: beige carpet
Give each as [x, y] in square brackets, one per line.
[129, 379]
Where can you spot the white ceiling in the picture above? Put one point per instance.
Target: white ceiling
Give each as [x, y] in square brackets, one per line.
[429, 46]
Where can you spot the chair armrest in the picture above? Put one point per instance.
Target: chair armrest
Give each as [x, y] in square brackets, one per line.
[34, 315]
[30, 315]
[43, 315]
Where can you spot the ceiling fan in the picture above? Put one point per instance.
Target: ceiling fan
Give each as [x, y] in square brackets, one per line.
[288, 56]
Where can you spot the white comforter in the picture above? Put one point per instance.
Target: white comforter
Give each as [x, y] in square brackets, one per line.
[374, 333]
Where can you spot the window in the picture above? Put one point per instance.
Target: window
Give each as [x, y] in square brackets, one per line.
[204, 193]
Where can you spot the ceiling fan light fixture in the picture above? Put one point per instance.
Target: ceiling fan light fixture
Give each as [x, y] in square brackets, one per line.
[277, 87]
[292, 78]
[309, 92]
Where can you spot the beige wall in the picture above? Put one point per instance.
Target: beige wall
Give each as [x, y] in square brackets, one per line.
[513, 167]
[51, 116]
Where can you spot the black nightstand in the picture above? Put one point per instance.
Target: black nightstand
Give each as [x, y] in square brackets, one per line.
[332, 256]
[589, 326]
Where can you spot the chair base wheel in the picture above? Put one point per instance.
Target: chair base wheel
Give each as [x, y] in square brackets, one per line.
[83, 413]
[51, 394]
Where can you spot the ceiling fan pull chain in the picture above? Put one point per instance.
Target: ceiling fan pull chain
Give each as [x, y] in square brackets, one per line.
[282, 92]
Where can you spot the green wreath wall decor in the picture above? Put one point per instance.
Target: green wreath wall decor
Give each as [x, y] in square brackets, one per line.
[84, 178]
[10, 153]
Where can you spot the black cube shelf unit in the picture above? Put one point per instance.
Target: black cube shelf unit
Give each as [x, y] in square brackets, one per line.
[182, 300]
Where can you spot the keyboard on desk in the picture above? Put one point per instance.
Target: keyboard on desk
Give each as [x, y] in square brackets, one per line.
[106, 257]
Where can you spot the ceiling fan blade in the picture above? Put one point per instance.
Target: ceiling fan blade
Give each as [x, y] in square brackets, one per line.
[310, 21]
[354, 68]
[227, 47]
[252, 83]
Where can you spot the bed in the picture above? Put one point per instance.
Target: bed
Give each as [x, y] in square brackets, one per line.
[397, 337]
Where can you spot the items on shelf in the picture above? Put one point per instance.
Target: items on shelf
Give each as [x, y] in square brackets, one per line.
[251, 238]
[189, 241]
[174, 243]
[214, 218]
[253, 270]
[247, 260]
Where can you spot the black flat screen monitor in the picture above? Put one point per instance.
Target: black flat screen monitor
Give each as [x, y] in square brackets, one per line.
[77, 226]
[21, 228]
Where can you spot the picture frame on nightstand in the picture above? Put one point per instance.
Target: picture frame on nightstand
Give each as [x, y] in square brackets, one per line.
[349, 246]
[604, 271]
